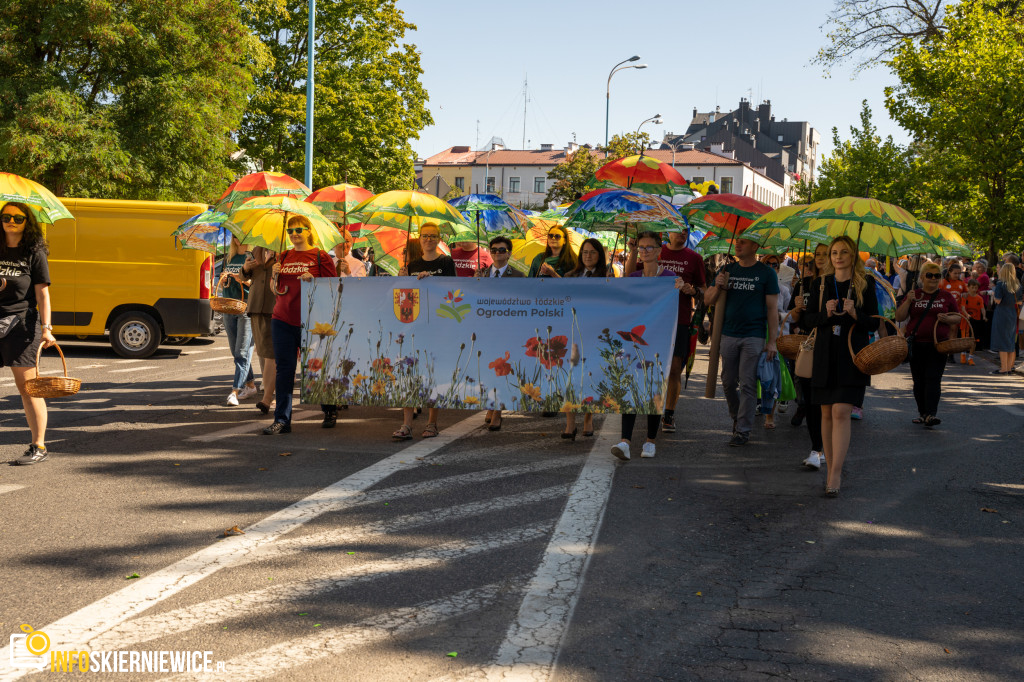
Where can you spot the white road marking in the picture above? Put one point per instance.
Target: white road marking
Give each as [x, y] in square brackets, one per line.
[245, 428]
[217, 359]
[97, 618]
[333, 641]
[326, 539]
[9, 488]
[7, 385]
[132, 369]
[194, 352]
[51, 371]
[268, 599]
[126, 362]
[90, 366]
[535, 637]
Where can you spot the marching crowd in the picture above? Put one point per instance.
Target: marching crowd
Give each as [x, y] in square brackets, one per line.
[832, 297]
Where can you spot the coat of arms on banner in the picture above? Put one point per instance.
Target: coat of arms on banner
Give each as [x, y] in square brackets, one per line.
[407, 304]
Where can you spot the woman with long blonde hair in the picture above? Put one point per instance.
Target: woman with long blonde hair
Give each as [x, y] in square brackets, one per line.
[841, 304]
[1006, 296]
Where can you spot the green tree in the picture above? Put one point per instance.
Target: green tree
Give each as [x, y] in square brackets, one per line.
[369, 102]
[864, 164]
[572, 176]
[129, 99]
[960, 95]
[629, 144]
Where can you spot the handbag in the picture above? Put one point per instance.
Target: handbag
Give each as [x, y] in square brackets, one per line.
[804, 365]
[7, 324]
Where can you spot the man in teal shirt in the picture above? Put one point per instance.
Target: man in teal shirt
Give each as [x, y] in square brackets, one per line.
[750, 309]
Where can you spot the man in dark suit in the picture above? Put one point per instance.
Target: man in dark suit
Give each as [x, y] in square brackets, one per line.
[501, 251]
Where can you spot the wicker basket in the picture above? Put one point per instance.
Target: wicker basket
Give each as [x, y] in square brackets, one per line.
[964, 344]
[52, 387]
[227, 306]
[885, 354]
[789, 345]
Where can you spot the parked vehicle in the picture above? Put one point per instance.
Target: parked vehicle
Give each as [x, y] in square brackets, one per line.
[116, 270]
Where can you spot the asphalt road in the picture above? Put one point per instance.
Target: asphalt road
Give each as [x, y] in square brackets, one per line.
[525, 555]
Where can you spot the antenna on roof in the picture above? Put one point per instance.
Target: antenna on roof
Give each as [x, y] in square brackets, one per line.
[526, 99]
[478, 133]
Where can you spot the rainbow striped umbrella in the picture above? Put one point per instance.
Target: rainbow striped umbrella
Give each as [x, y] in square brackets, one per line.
[337, 201]
[262, 184]
[724, 214]
[642, 174]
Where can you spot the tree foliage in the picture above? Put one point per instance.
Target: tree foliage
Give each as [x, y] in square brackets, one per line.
[127, 99]
[625, 145]
[572, 176]
[961, 96]
[369, 102]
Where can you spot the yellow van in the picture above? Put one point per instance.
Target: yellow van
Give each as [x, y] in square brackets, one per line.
[115, 268]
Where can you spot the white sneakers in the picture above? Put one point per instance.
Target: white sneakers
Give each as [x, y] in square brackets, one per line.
[622, 451]
[247, 392]
[232, 399]
[815, 460]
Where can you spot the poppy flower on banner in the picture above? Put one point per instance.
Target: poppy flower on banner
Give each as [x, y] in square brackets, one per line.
[635, 334]
[500, 366]
[550, 352]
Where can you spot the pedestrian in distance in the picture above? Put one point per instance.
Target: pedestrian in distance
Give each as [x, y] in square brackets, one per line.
[238, 327]
[25, 320]
[430, 263]
[557, 258]
[813, 268]
[501, 250]
[753, 291]
[972, 310]
[932, 314]
[260, 308]
[649, 247]
[300, 264]
[1006, 297]
[688, 265]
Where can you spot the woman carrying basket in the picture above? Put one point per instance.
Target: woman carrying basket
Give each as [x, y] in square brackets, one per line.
[25, 314]
[841, 304]
[238, 327]
[932, 314]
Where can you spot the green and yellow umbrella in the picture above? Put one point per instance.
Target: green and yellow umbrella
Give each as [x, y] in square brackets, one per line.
[874, 225]
[408, 210]
[947, 241]
[41, 202]
[261, 221]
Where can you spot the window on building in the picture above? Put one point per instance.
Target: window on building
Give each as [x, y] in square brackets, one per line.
[460, 183]
[489, 185]
[697, 179]
[726, 185]
[539, 185]
[513, 185]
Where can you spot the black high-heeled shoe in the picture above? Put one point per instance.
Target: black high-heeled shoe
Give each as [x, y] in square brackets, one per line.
[572, 435]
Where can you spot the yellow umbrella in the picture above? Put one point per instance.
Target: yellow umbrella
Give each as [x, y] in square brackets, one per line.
[261, 221]
[41, 202]
[525, 250]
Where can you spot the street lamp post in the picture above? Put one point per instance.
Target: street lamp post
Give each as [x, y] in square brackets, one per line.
[608, 91]
[656, 119]
[311, 40]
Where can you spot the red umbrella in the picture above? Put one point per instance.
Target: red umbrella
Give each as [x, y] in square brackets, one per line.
[724, 214]
[336, 201]
[644, 174]
[262, 184]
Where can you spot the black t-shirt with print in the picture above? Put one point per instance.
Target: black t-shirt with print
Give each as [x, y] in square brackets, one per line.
[22, 269]
[442, 266]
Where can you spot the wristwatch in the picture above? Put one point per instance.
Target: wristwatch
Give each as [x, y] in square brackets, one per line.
[47, 326]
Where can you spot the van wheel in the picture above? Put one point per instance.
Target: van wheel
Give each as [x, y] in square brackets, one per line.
[135, 335]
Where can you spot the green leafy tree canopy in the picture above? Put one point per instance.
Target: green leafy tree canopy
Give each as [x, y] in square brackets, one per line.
[127, 99]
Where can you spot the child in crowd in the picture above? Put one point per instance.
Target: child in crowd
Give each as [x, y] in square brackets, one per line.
[972, 307]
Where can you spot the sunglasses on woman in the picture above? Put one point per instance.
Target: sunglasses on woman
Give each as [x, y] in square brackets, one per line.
[933, 275]
[556, 237]
[295, 230]
[16, 219]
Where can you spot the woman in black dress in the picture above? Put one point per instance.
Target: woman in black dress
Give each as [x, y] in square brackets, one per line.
[841, 300]
[25, 313]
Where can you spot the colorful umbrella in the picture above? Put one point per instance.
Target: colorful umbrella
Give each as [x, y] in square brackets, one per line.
[874, 225]
[559, 212]
[263, 184]
[724, 214]
[643, 174]
[41, 202]
[261, 221]
[616, 210]
[408, 210]
[337, 201]
[712, 245]
[536, 240]
[947, 241]
[489, 216]
[389, 247]
[205, 232]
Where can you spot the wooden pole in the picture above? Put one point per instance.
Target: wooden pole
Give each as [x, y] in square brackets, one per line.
[711, 384]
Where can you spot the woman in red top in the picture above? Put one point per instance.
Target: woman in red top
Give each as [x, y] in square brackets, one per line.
[933, 313]
[301, 264]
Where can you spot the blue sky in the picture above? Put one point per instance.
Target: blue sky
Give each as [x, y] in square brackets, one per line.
[475, 56]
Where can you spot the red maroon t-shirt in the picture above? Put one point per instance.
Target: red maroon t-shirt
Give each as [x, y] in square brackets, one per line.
[944, 302]
[293, 264]
[466, 261]
[688, 264]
